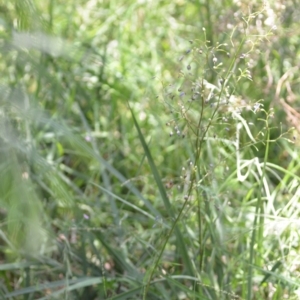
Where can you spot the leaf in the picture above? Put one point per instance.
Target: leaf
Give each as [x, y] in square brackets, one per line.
[168, 206]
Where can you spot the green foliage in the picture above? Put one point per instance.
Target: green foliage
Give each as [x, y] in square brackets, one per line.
[147, 150]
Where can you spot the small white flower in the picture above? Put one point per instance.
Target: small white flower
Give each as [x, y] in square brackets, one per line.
[256, 107]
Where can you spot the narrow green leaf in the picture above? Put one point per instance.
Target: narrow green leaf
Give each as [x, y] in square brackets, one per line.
[163, 194]
[71, 284]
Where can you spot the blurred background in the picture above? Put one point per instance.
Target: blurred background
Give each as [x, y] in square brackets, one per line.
[81, 215]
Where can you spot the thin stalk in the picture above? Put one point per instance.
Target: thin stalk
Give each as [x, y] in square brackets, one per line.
[259, 215]
[163, 248]
[50, 12]
[209, 21]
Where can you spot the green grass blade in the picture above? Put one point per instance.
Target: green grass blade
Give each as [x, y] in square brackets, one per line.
[121, 262]
[71, 284]
[168, 206]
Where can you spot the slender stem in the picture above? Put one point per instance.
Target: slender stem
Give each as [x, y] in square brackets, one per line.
[258, 216]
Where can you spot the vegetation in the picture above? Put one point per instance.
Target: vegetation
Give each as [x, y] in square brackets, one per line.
[149, 149]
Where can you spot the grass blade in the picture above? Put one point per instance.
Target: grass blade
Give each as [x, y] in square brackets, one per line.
[168, 206]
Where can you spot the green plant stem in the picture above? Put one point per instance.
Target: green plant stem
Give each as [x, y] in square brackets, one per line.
[259, 215]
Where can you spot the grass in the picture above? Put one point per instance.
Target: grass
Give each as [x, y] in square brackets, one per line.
[147, 150]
